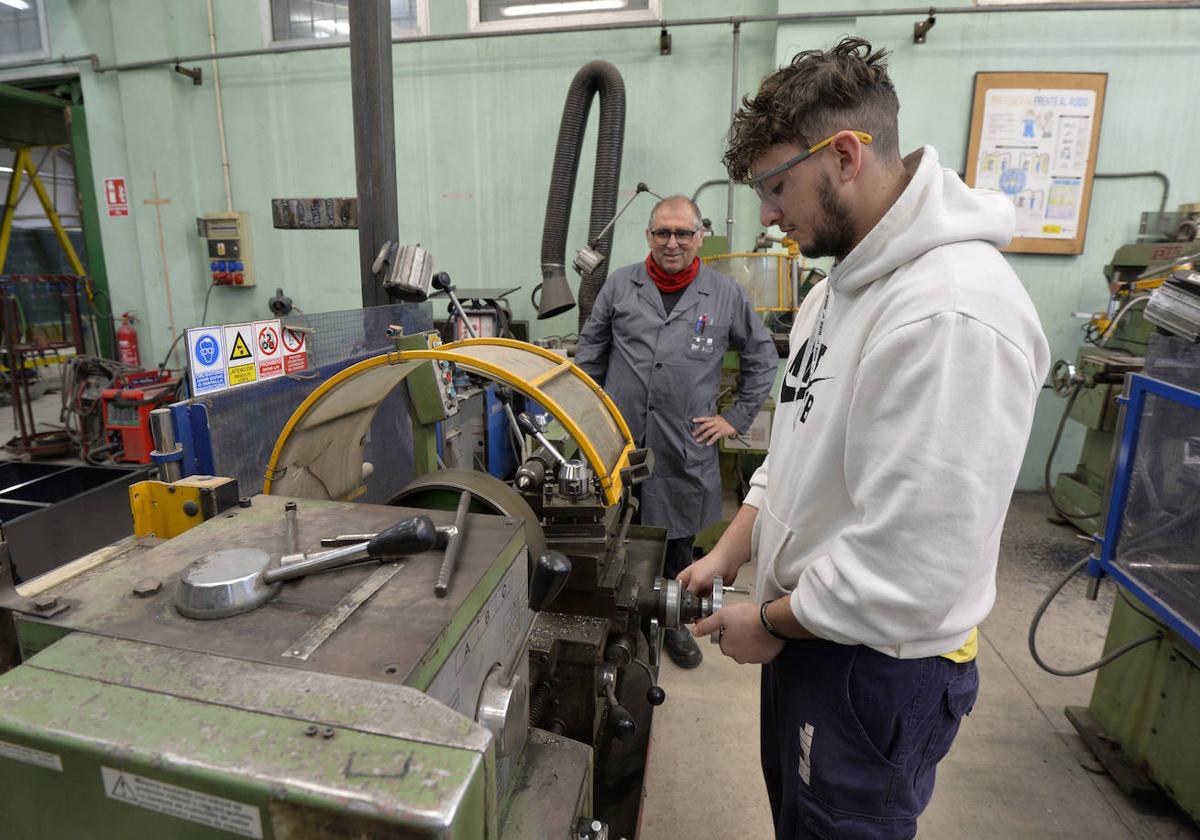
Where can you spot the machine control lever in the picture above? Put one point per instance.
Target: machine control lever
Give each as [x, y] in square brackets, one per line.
[623, 723]
[621, 652]
[441, 282]
[549, 576]
[408, 536]
[444, 532]
[530, 428]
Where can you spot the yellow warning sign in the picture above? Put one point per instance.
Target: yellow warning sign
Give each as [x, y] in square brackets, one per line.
[240, 350]
[241, 374]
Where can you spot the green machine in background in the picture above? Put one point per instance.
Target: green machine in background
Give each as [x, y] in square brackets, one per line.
[1143, 720]
[1116, 344]
[777, 282]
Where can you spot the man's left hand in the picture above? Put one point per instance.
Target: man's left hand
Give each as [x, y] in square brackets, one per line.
[708, 430]
[743, 638]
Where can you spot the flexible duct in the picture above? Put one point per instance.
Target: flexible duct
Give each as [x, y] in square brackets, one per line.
[594, 77]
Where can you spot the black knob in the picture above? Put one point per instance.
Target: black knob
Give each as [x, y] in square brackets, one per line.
[622, 721]
[504, 394]
[655, 696]
[526, 423]
[408, 536]
[549, 576]
[441, 281]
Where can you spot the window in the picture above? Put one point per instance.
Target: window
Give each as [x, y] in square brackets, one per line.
[318, 20]
[530, 14]
[22, 30]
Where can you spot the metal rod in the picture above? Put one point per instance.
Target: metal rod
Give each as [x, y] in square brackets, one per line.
[162, 431]
[641, 188]
[460, 314]
[794, 17]
[520, 454]
[292, 528]
[733, 108]
[319, 561]
[454, 547]
[216, 72]
[374, 138]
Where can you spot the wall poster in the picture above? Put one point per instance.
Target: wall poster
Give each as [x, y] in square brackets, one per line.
[1034, 137]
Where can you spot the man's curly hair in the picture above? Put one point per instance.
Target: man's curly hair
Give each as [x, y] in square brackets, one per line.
[817, 94]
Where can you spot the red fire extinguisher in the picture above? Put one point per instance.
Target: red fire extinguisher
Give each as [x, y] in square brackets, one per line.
[127, 341]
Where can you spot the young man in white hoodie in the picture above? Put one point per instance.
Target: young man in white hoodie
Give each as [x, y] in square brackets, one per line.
[899, 430]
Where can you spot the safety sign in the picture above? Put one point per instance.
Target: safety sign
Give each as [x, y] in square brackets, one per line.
[295, 350]
[268, 348]
[206, 360]
[184, 803]
[240, 359]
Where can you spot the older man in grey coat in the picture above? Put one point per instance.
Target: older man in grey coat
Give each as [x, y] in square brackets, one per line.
[655, 339]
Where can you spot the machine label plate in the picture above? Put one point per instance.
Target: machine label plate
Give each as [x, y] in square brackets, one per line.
[190, 805]
[30, 756]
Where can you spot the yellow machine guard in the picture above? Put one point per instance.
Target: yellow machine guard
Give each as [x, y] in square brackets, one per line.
[310, 457]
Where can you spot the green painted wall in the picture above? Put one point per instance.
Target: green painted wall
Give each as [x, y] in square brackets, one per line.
[1143, 124]
[476, 124]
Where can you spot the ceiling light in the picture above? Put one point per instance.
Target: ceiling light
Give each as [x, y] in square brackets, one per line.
[19, 5]
[5, 169]
[563, 8]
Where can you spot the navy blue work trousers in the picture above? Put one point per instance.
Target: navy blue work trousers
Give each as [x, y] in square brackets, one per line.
[851, 738]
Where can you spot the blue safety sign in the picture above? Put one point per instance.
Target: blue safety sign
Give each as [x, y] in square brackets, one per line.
[207, 351]
[207, 368]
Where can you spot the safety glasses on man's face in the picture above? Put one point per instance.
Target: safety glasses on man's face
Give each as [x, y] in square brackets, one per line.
[759, 183]
[663, 235]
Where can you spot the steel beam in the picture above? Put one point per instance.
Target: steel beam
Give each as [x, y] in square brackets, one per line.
[374, 138]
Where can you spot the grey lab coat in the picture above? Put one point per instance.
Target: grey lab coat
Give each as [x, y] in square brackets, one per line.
[662, 370]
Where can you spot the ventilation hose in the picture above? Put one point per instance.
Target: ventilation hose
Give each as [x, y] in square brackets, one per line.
[594, 77]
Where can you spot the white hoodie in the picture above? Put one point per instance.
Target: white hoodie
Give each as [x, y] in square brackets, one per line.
[893, 458]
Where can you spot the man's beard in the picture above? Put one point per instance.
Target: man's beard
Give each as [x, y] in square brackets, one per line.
[833, 232]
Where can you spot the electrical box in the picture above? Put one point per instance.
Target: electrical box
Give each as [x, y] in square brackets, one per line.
[432, 391]
[230, 252]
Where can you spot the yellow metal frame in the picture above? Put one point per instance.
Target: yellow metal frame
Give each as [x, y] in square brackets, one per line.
[610, 480]
[23, 163]
[780, 276]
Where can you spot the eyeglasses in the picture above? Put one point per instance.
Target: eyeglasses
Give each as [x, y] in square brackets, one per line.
[663, 235]
[758, 182]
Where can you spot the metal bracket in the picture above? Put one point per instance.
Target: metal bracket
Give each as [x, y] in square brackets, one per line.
[921, 28]
[196, 74]
[42, 606]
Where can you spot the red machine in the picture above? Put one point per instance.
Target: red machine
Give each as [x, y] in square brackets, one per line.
[127, 407]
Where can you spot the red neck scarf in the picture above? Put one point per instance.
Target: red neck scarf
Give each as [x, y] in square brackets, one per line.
[669, 283]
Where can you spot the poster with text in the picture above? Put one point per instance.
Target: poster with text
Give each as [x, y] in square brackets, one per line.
[1034, 147]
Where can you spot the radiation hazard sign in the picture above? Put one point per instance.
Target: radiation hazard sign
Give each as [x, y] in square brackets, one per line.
[240, 360]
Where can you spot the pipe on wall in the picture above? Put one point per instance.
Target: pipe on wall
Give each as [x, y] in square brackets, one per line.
[794, 17]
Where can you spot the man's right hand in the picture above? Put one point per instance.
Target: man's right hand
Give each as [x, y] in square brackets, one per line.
[698, 577]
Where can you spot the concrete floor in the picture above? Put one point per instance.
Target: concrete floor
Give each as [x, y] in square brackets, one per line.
[46, 412]
[1017, 768]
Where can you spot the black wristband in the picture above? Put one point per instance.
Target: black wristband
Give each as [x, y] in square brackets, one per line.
[766, 623]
